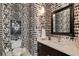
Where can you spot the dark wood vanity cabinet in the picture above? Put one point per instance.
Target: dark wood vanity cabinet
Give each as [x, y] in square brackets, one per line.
[44, 50]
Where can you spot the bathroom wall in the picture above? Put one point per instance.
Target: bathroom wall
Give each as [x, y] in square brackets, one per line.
[36, 26]
[60, 5]
[24, 13]
[40, 21]
[44, 21]
[49, 9]
[46, 18]
[15, 11]
[76, 19]
[1, 47]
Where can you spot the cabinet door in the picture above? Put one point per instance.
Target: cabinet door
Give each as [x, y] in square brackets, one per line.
[41, 50]
[44, 50]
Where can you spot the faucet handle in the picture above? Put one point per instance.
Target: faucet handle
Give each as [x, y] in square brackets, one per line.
[49, 38]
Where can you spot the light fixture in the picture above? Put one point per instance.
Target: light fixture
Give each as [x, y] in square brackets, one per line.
[41, 11]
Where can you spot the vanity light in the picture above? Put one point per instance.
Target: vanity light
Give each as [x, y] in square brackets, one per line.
[41, 11]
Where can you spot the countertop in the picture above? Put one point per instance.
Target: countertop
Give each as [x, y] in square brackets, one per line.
[63, 47]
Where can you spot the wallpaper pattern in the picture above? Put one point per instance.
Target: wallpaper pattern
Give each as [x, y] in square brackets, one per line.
[1, 47]
[15, 12]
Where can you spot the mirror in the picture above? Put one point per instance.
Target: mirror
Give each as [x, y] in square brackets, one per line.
[15, 27]
[62, 21]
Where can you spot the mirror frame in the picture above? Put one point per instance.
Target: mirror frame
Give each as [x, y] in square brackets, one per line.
[71, 33]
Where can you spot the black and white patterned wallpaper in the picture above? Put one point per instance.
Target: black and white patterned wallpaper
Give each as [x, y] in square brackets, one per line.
[1, 49]
[15, 12]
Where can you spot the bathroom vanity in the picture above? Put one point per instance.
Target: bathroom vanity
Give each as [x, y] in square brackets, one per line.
[44, 50]
[54, 48]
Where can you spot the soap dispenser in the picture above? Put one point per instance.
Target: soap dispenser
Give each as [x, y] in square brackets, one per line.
[43, 34]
